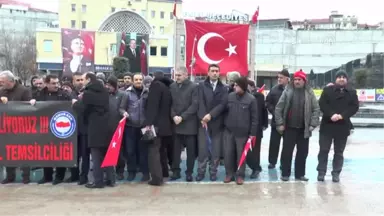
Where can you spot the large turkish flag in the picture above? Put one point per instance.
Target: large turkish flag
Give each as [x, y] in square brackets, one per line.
[217, 43]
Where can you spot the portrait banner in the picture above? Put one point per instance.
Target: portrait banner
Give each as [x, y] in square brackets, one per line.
[366, 95]
[44, 135]
[135, 48]
[78, 49]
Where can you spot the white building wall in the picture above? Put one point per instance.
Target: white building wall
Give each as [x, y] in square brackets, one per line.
[319, 50]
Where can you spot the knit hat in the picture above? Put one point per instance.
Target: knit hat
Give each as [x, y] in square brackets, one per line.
[285, 73]
[112, 80]
[341, 73]
[300, 74]
[242, 82]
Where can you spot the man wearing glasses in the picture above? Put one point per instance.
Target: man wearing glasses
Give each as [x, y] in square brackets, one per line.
[271, 101]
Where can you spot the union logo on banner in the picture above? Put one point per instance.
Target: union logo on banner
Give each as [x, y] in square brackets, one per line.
[379, 94]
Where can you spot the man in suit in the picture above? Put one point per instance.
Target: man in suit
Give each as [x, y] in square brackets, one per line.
[133, 54]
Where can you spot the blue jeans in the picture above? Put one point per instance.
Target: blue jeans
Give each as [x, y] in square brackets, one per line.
[135, 148]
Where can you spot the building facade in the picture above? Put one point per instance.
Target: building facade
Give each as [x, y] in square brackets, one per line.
[90, 15]
[319, 51]
[19, 17]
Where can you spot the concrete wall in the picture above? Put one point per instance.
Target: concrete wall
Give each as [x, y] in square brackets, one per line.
[320, 50]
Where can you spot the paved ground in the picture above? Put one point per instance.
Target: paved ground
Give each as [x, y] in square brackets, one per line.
[359, 192]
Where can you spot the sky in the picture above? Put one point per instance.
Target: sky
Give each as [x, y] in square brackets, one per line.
[367, 11]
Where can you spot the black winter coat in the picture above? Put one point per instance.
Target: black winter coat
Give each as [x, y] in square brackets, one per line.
[262, 112]
[272, 99]
[94, 105]
[334, 101]
[158, 107]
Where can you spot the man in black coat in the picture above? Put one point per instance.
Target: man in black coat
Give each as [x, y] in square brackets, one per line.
[94, 105]
[83, 152]
[158, 114]
[212, 95]
[11, 90]
[52, 92]
[241, 122]
[183, 113]
[271, 101]
[253, 157]
[338, 104]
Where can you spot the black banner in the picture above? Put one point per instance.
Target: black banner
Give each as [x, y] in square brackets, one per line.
[44, 135]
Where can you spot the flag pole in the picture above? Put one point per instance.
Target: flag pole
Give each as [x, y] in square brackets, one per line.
[257, 31]
[174, 46]
[193, 58]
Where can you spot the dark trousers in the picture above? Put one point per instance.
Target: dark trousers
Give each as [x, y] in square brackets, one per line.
[60, 173]
[253, 157]
[189, 141]
[339, 144]
[294, 137]
[134, 144]
[274, 146]
[167, 146]
[98, 155]
[11, 173]
[154, 162]
[83, 154]
[204, 155]
[233, 149]
[122, 160]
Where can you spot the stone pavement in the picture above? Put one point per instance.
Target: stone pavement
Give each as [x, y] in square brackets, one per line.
[359, 193]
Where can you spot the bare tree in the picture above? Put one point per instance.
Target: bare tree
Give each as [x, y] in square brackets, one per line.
[18, 53]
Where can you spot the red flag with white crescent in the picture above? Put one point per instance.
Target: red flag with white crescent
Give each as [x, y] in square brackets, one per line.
[113, 152]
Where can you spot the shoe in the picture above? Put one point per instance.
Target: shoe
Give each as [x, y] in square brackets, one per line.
[82, 181]
[271, 166]
[26, 181]
[255, 174]
[120, 176]
[229, 179]
[93, 186]
[71, 180]
[57, 181]
[7, 181]
[303, 178]
[145, 178]
[109, 183]
[213, 178]
[155, 183]
[336, 178]
[284, 178]
[321, 177]
[131, 176]
[44, 180]
[239, 180]
[200, 177]
[189, 178]
[175, 176]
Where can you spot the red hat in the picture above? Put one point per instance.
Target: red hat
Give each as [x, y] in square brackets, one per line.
[301, 75]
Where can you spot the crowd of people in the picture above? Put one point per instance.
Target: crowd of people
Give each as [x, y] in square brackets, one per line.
[212, 120]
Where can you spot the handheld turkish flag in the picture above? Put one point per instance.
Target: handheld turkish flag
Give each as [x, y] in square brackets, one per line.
[113, 152]
[174, 9]
[248, 146]
[217, 43]
[143, 58]
[122, 45]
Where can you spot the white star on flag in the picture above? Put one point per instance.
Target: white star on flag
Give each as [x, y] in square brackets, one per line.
[231, 50]
[114, 145]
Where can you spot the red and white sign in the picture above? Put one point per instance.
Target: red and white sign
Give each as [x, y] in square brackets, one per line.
[366, 95]
[217, 43]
